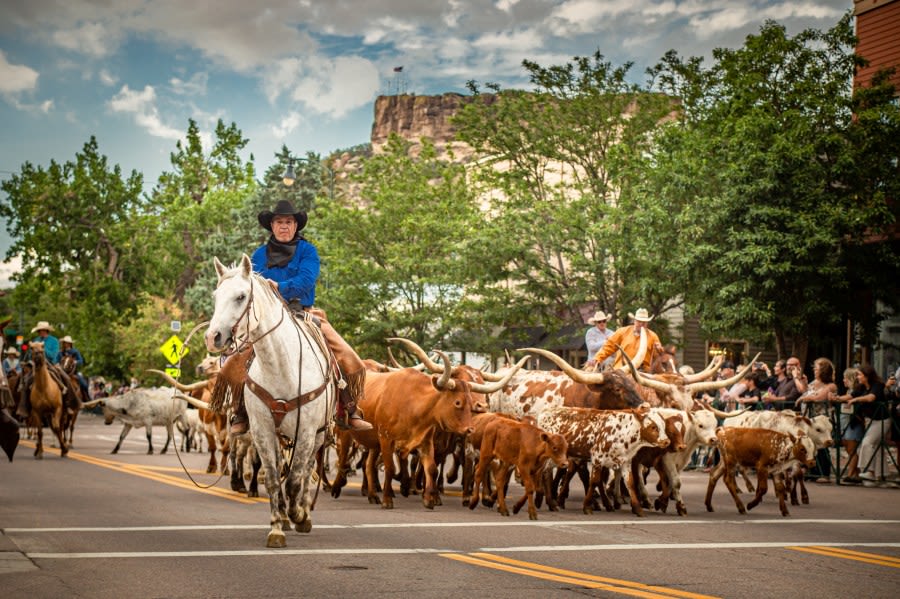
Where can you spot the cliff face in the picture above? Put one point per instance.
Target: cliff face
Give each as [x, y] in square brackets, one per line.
[414, 117]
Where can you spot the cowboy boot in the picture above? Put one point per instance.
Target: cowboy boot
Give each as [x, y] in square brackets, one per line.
[347, 416]
[240, 423]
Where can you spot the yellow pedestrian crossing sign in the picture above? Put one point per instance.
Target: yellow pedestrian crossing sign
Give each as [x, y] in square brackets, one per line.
[172, 349]
[173, 372]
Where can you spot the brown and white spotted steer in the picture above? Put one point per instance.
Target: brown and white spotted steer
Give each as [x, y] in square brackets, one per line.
[769, 452]
[609, 439]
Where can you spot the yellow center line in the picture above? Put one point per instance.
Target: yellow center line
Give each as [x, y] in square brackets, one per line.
[145, 472]
[878, 560]
[885, 558]
[624, 587]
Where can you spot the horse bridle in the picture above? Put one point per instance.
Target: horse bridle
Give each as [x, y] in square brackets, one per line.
[246, 312]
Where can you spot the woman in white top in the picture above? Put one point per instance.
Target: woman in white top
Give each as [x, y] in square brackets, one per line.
[815, 402]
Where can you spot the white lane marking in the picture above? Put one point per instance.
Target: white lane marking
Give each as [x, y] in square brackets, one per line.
[239, 553]
[630, 522]
[399, 551]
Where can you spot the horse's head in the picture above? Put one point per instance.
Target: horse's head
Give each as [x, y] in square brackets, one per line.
[209, 366]
[232, 318]
[68, 363]
[37, 352]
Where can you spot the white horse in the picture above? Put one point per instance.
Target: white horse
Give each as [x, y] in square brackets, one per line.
[289, 393]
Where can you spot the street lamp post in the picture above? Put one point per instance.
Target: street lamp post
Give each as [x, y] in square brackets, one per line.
[289, 176]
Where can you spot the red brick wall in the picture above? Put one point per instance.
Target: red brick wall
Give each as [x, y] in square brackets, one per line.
[878, 30]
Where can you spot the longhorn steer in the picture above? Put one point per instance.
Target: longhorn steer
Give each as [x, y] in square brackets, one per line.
[609, 439]
[406, 408]
[770, 452]
[508, 444]
[676, 423]
[532, 391]
[818, 429]
[143, 407]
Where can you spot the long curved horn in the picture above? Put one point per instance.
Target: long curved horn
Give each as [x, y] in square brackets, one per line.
[577, 375]
[419, 353]
[646, 381]
[392, 359]
[493, 376]
[176, 384]
[197, 403]
[720, 413]
[444, 382]
[706, 372]
[713, 385]
[92, 403]
[497, 385]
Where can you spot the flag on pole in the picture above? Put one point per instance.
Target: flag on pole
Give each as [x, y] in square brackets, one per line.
[398, 69]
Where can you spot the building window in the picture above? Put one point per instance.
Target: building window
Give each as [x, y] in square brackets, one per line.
[733, 351]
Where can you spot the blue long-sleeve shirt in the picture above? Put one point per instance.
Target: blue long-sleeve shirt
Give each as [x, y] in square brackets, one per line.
[51, 347]
[79, 359]
[297, 280]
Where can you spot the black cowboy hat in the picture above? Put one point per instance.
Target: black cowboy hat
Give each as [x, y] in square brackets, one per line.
[282, 208]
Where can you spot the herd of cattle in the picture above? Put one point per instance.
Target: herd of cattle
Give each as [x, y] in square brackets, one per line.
[609, 428]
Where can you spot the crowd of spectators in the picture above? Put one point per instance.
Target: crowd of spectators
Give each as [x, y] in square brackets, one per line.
[864, 410]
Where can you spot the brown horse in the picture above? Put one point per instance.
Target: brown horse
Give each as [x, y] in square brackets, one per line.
[73, 407]
[46, 401]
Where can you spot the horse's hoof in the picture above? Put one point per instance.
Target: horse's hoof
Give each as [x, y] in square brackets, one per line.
[252, 493]
[305, 526]
[276, 540]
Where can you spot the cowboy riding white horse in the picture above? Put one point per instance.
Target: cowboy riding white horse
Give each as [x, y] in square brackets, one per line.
[289, 392]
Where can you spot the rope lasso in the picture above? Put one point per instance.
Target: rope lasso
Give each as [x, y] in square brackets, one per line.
[176, 398]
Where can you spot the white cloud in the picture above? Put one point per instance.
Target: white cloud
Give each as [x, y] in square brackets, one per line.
[142, 105]
[509, 40]
[505, 5]
[287, 125]
[93, 39]
[324, 86]
[195, 86]
[15, 78]
[335, 87]
[8, 269]
[106, 78]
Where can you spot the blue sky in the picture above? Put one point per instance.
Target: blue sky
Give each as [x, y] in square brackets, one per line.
[306, 72]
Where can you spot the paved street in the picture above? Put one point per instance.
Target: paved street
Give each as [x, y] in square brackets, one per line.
[134, 525]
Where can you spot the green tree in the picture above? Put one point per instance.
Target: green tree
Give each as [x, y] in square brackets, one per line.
[392, 264]
[758, 177]
[553, 165]
[74, 226]
[197, 197]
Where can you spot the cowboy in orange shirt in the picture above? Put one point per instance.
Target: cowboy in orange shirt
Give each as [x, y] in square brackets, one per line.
[629, 339]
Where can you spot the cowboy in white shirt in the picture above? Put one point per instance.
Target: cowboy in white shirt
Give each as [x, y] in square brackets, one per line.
[596, 337]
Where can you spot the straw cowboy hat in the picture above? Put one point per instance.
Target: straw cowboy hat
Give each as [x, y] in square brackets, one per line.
[282, 208]
[641, 315]
[12, 351]
[42, 326]
[67, 339]
[598, 316]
